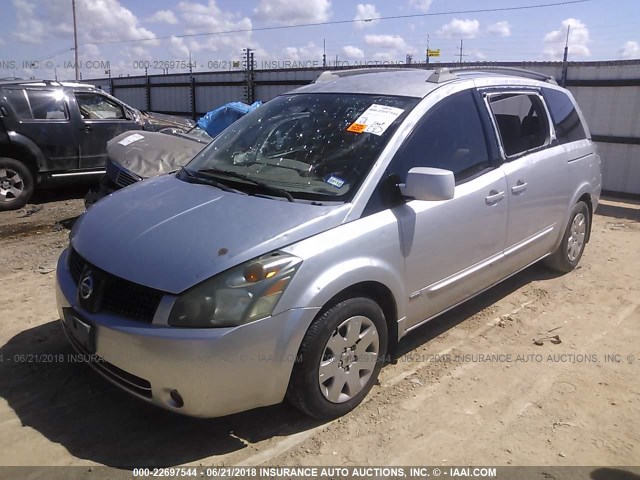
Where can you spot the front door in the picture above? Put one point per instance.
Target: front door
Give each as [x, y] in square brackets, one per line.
[452, 248]
[101, 120]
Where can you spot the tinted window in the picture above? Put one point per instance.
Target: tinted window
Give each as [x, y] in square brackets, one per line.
[47, 104]
[521, 121]
[449, 137]
[18, 101]
[94, 106]
[564, 115]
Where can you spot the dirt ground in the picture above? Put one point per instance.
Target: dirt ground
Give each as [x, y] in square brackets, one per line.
[469, 388]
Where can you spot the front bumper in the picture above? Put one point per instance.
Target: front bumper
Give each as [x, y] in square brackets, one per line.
[217, 371]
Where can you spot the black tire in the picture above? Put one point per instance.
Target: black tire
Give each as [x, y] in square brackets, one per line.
[304, 390]
[564, 259]
[16, 184]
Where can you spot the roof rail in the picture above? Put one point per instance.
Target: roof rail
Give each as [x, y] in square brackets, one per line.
[442, 75]
[329, 75]
[513, 71]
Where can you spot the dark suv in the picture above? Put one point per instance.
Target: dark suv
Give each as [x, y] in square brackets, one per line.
[55, 131]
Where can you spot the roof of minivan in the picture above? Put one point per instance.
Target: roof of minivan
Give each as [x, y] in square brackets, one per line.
[404, 82]
[408, 82]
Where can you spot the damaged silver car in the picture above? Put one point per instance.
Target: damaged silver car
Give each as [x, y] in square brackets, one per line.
[291, 254]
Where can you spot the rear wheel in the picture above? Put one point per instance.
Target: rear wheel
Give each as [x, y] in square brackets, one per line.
[570, 250]
[339, 359]
[16, 184]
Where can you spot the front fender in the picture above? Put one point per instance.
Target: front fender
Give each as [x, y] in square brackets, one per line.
[365, 250]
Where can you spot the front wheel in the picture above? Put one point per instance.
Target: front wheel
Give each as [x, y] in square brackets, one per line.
[339, 359]
[570, 250]
[16, 184]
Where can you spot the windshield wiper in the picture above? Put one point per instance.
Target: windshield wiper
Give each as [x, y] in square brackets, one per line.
[206, 179]
[280, 191]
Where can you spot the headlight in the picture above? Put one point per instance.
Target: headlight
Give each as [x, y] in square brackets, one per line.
[242, 294]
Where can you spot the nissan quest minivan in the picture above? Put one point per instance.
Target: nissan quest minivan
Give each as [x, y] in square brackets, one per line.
[294, 251]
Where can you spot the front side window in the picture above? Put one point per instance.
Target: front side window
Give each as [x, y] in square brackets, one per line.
[315, 146]
[94, 106]
[566, 120]
[450, 137]
[521, 120]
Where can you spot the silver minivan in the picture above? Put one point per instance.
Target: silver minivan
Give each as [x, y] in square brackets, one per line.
[290, 256]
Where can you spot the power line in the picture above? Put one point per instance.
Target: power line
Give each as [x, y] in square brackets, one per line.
[341, 22]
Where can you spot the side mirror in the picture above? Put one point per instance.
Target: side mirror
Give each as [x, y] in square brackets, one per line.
[427, 183]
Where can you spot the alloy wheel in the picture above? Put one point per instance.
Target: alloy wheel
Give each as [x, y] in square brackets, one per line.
[349, 359]
[575, 242]
[11, 185]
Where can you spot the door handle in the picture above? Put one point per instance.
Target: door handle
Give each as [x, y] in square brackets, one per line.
[87, 128]
[519, 187]
[494, 197]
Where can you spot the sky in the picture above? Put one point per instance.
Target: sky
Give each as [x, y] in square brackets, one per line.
[120, 37]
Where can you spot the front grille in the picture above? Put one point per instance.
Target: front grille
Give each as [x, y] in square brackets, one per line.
[118, 376]
[124, 298]
[119, 175]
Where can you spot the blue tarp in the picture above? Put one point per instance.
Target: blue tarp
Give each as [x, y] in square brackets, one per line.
[217, 120]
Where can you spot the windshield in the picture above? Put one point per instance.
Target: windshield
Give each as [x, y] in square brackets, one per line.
[313, 146]
[200, 134]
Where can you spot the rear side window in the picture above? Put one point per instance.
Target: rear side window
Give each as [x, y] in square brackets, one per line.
[564, 115]
[450, 137]
[521, 120]
[18, 101]
[47, 104]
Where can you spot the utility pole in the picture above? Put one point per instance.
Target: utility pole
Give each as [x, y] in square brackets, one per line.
[75, 38]
[461, 52]
[565, 64]
[249, 90]
[427, 61]
[324, 53]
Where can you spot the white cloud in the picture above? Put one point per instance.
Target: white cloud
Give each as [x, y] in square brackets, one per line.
[395, 42]
[367, 12]
[308, 52]
[290, 12]
[477, 55]
[350, 51]
[1, 41]
[630, 50]
[460, 29]
[200, 18]
[178, 48]
[387, 56]
[422, 5]
[98, 21]
[578, 40]
[163, 16]
[500, 28]
[29, 28]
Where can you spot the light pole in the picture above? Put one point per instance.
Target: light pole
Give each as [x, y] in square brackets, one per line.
[75, 38]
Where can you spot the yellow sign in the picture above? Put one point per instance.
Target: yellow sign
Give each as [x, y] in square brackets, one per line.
[433, 53]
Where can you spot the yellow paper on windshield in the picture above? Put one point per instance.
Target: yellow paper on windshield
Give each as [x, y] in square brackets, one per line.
[375, 119]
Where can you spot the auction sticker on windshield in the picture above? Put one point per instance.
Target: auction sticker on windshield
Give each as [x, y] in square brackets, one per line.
[375, 119]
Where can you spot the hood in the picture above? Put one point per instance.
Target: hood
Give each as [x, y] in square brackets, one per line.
[170, 235]
[157, 121]
[148, 154]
